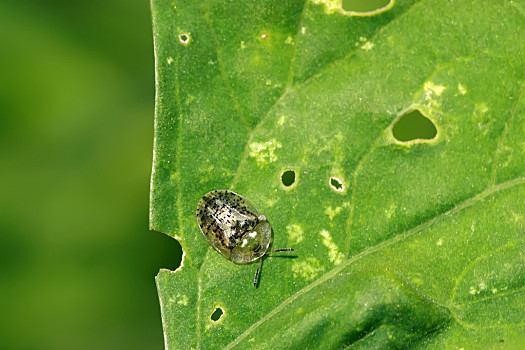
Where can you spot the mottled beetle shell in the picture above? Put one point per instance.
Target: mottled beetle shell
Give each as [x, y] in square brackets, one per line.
[233, 226]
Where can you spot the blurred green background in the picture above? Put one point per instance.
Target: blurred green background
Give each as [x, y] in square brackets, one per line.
[77, 260]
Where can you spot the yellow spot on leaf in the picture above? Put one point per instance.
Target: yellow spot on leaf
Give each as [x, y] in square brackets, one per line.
[330, 6]
[271, 202]
[390, 211]
[416, 281]
[462, 89]
[180, 299]
[432, 90]
[335, 256]
[307, 269]
[481, 107]
[295, 233]
[264, 152]
[368, 46]
[333, 212]
[183, 300]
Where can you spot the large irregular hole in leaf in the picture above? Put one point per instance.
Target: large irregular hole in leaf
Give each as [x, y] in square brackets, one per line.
[414, 126]
[217, 314]
[288, 178]
[366, 7]
[175, 253]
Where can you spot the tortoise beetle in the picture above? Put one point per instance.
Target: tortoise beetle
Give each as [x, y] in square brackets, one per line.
[234, 227]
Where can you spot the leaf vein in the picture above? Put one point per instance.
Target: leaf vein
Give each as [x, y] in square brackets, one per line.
[503, 134]
[222, 68]
[332, 273]
[199, 298]
[479, 300]
[476, 261]
[285, 92]
[373, 148]
[354, 50]
[291, 86]
[296, 43]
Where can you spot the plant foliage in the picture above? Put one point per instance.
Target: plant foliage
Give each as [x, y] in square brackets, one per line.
[417, 244]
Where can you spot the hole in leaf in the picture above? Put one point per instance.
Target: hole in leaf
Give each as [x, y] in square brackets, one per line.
[288, 177]
[414, 126]
[167, 252]
[177, 255]
[184, 38]
[366, 7]
[217, 314]
[337, 184]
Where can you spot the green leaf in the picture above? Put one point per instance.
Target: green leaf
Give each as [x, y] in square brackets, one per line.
[397, 244]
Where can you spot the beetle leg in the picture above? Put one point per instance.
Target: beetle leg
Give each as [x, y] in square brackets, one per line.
[257, 272]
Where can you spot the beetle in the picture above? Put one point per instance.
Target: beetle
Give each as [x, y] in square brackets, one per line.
[234, 227]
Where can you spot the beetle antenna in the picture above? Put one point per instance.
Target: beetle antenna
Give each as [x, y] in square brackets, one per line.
[280, 250]
[257, 272]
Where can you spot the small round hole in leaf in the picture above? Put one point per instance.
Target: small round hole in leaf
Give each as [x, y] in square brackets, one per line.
[288, 178]
[414, 126]
[184, 38]
[217, 314]
[337, 184]
[366, 7]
